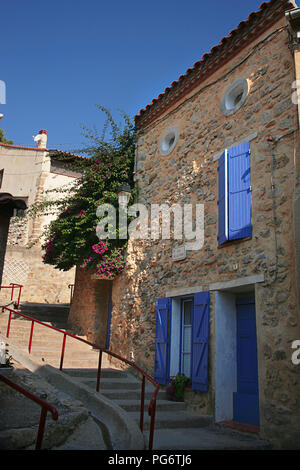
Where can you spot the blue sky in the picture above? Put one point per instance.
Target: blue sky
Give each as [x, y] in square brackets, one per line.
[60, 58]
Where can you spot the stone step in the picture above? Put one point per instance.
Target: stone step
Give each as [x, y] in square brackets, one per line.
[202, 438]
[120, 394]
[165, 405]
[72, 352]
[91, 373]
[23, 324]
[55, 314]
[52, 343]
[67, 363]
[20, 329]
[39, 308]
[173, 419]
[87, 359]
[113, 383]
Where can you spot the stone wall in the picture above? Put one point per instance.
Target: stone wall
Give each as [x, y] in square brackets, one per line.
[18, 231]
[89, 307]
[42, 283]
[188, 175]
[27, 174]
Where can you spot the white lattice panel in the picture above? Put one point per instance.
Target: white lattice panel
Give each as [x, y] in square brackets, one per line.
[15, 270]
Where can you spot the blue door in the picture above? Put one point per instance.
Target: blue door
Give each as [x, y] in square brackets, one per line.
[246, 399]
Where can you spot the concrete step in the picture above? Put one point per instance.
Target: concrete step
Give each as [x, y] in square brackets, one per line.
[20, 330]
[173, 419]
[112, 383]
[165, 405]
[120, 394]
[41, 309]
[55, 314]
[23, 323]
[68, 363]
[91, 373]
[203, 438]
[52, 343]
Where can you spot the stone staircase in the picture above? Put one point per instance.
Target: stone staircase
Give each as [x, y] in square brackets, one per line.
[125, 390]
[175, 426]
[46, 342]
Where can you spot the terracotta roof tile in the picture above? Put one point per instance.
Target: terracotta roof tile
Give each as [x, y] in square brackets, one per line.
[51, 151]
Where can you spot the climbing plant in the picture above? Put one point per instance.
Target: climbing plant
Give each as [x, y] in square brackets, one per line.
[71, 239]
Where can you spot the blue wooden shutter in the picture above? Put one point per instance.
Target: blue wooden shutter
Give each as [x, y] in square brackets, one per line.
[239, 192]
[161, 341]
[223, 202]
[200, 336]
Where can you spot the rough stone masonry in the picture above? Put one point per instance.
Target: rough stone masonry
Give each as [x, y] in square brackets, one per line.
[189, 175]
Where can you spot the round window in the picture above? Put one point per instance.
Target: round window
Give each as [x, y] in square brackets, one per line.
[235, 96]
[168, 141]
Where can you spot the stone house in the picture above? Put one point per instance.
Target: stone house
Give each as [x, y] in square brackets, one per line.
[27, 173]
[224, 136]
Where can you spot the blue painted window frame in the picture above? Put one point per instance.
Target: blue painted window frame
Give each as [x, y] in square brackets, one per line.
[199, 382]
[182, 300]
[234, 202]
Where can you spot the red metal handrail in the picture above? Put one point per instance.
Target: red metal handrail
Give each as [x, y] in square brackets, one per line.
[12, 286]
[152, 403]
[44, 404]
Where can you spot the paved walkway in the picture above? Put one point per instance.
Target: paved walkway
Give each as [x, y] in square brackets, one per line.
[77, 430]
[90, 420]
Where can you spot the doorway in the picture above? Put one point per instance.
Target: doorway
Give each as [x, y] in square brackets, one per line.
[246, 399]
[236, 363]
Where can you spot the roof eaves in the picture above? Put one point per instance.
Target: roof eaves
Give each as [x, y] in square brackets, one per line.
[56, 152]
[22, 147]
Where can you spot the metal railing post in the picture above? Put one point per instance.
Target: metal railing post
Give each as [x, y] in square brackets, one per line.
[153, 408]
[8, 325]
[19, 297]
[142, 404]
[99, 370]
[12, 291]
[63, 352]
[30, 338]
[40, 435]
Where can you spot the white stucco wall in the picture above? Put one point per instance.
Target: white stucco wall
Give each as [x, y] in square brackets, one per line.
[22, 169]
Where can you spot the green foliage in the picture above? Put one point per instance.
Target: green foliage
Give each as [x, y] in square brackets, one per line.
[176, 387]
[71, 238]
[3, 139]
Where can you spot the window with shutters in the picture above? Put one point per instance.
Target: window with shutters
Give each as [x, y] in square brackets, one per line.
[192, 355]
[234, 202]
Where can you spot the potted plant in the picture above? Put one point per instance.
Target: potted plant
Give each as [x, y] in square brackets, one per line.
[176, 386]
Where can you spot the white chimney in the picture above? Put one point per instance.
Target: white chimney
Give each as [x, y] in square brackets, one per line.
[41, 139]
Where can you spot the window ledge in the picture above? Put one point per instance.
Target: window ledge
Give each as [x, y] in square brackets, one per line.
[234, 242]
